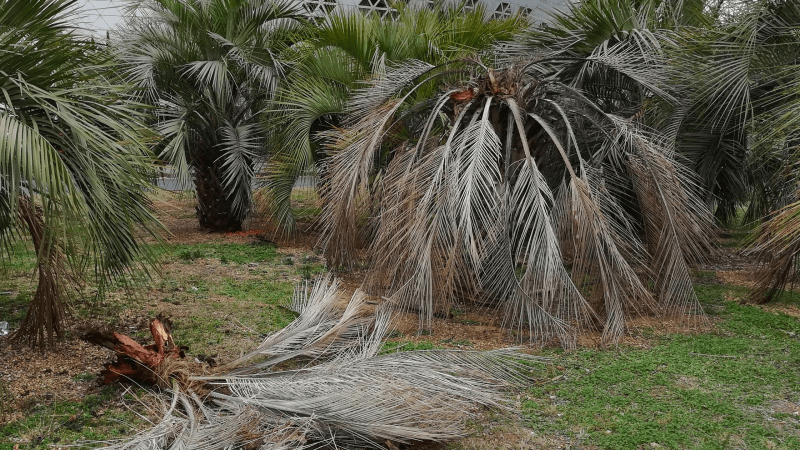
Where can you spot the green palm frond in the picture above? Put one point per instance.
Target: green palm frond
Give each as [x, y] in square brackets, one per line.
[334, 58]
[73, 151]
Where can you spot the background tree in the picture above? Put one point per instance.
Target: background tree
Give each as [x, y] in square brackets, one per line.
[73, 168]
[342, 51]
[740, 83]
[209, 67]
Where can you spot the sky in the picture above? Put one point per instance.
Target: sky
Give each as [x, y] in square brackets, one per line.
[97, 16]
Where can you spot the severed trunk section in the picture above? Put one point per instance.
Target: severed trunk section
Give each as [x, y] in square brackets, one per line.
[44, 321]
[154, 364]
[214, 206]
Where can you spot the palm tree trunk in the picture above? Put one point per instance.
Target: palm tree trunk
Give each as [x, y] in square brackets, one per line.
[44, 321]
[214, 205]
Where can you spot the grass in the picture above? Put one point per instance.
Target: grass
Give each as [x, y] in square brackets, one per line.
[226, 253]
[717, 390]
[305, 204]
[17, 288]
[222, 297]
[95, 417]
[726, 388]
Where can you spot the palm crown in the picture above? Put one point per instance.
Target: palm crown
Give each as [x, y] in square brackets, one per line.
[209, 67]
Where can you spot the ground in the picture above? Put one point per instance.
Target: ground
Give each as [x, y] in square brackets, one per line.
[728, 382]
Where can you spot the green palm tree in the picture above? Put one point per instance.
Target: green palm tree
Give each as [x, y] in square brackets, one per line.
[73, 168]
[342, 51]
[740, 81]
[208, 68]
[530, 179]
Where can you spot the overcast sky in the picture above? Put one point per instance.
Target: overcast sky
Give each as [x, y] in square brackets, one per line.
[98, 16]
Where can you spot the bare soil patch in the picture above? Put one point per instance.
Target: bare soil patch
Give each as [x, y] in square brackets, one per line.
[66, 372]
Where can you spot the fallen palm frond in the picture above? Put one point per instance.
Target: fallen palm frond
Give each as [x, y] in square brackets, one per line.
[776, 247]
[352, 397]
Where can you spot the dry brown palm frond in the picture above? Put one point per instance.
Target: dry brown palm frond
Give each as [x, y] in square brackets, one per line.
[354, 398]
[354, 150]
[545, 283]
[320, 329]
[346, 193]
[678, 226]
[598, 264]
[416, 256]
[776, 247]
[600, 267]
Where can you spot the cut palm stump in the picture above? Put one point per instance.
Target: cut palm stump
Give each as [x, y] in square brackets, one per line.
[135, 361]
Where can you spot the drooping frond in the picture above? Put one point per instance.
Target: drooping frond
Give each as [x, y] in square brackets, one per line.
[776, 247]
[678, 226]
[598, 265]
[72, 145]
[321, 328]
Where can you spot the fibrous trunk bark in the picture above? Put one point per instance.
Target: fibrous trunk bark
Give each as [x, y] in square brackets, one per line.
[44, 321]
[214, 206]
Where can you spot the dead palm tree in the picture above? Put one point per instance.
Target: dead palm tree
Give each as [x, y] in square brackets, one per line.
[534, 184]
[73, 166]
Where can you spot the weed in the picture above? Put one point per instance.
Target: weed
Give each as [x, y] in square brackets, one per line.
[190, 254]
[232, 253]
[392, 347]
[86, 376]
[394, 335]
[309, 271]
[455, 311]
[457, 342]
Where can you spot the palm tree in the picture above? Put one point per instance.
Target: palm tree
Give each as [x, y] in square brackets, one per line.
[532, 182]
[749, 135]
[208, 68]
[740, 127]
[73, 166]
[342, 51]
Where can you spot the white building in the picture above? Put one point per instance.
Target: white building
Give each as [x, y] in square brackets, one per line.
[537, 10]
[100, 16]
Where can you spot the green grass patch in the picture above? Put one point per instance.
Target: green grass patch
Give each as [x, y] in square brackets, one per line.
[406, 346]
[226, 253]
[710, 391]
[305, 204]
[95, 417]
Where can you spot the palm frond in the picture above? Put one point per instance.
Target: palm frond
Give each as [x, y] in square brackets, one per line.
[355, 397]
[776, 247]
